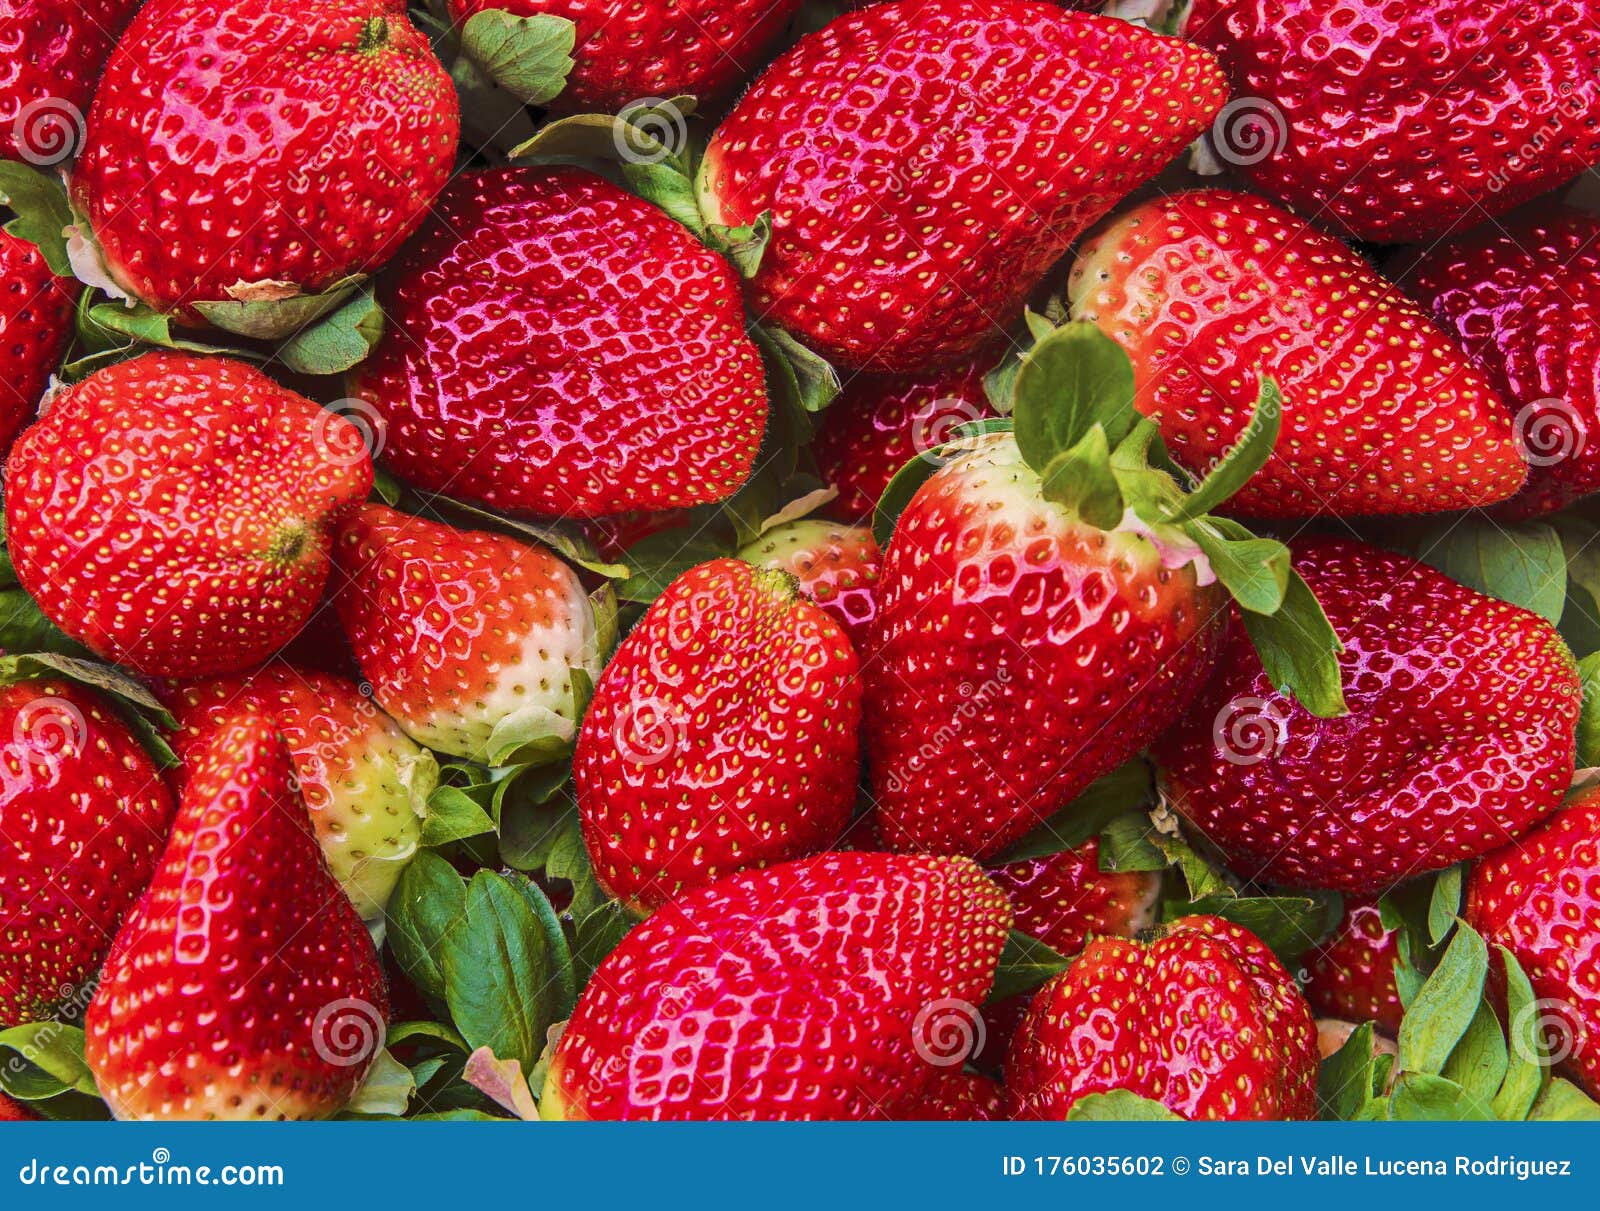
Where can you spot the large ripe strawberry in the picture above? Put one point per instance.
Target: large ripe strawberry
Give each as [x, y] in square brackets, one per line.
[925, 162]
[1540, 898]
[1460, 733]
[1200, 1016]
[1523, 298]
[243, 985]
[51, 53]
[878, 424]
[364, 781]
[1393, 122]
[817, 989]
[837, 567]
[556, 345]
[1381, 411]
[470, 640]
[1351, 975]
[261, 148]
[171, 512]
[83, 819]
[35, 324]
[657, 49]
[723, 735]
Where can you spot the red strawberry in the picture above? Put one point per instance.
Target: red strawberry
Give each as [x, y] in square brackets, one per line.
[1351, 975]
[1382, 413]
[837, 567]
[13, 1112]
[1201, 1018]
[1394, 122]
[810, 990]
[654, 50]
[612, 536]
[468, 638]
[1540, 898]
[51, 53]
[35, 324]
[364, 781]
[1524, 300]
[83, 817]
[242, 979]
[556, 345]
[722, 736]
[954, 1096]
[262, 148]
[1460, 733]
[879, 424]
[926, 162]
[171, 512]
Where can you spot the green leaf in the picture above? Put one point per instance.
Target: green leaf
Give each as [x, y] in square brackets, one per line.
[529, 57]
[899, 493]
[1589, 713]
[429, 900]
[1479, 1062]
[1025, 963]
[598, 934]
[1445, 1007]
[1081, 479]
[1299, 649]
[1524, 564]
[531, 735]
[819, 381]
[387, 1089]
[1255, 571]
[1289, 925]
[1445, 902]
[1128, 787]
[1424, 1097]
[574, 548]
[24, 628]
[272, 318]
[338, 342]
[1345, 1079]
[658, 559]
[1564, 1102]
[1202, 878]
[745, 245]
[1525, 1070]
[1118, 1106]
[1076, 377]
[40, 203]
[1247, 456]
[1126, 845]
[453, 815]
[49, 1061]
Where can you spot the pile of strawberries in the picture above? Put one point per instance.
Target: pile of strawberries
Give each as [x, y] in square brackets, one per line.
[948, 559]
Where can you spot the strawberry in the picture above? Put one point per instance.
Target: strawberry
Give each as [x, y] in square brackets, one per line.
[171, 512]
[612, 536]
[51, 54]
[556, 345]
[925, 162]
[364, 781]
[261, 149]
[35, 324]
[637, 52]
[1523, 298]
[83, 816]
[1351, 975]
[1540, 899]
[837, 567]
[722, 736]
[1200, 1017]
[472, 641]
[816, 989]
[1382, 413]
[243, 985]
[1394, 122]
[13, 1112]
[954, 1096]
[878, 424]
[1460, 733]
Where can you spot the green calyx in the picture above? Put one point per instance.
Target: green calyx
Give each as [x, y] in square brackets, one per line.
[374, 34]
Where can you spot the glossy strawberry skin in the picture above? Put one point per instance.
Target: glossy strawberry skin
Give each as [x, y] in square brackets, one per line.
[607, 369]
[35, 325]
[803, 985]
[838, 567]
[1351, 975]
[635, 52]
[364, 781]
[170, 512]
[1203, 1018]
[220, 1001]
[51, 53]
[1538, 898]
[1523, 298]
[878, 424]
[1018, 655]
[458, 630]
[1208, 291]
[83, 819]
[722, 735]
[954, 1096]
[285, 141]
[902, 241]
[1459, 734]
[1395, 122]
